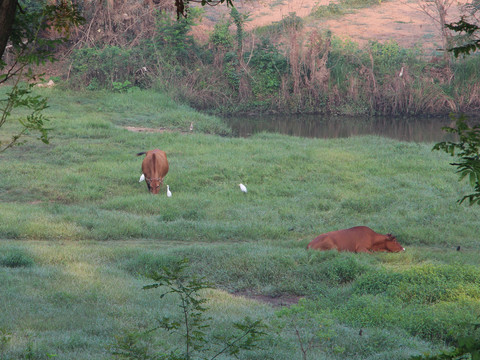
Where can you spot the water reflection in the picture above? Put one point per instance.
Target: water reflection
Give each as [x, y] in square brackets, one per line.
[407, 129]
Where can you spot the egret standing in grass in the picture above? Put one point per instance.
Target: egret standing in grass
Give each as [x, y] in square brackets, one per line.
[243, 188]
[141, 178]
[169, 193]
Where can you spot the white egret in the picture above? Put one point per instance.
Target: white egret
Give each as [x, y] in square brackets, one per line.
[141, 178]
[169, 193]
[243, 188]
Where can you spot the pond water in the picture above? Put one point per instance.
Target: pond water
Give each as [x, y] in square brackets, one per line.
[415, 129]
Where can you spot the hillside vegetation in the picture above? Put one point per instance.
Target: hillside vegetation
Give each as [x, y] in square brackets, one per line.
[79, 232]
[293, 65]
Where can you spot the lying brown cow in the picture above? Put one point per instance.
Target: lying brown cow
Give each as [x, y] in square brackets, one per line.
[356, 239]
[154, 169]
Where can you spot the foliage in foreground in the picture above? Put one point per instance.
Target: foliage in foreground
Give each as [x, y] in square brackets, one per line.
[80, 296]
[468, 33]
[31, 48]
[192, 325]
[467, 149]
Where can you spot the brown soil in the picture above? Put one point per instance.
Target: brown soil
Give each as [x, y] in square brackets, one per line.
[153, 130]
[145, 129]
[275, 301]
[399, 20]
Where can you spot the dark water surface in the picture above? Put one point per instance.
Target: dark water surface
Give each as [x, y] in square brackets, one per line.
[415, 129]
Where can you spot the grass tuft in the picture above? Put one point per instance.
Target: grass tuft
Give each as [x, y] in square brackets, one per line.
[16, 257]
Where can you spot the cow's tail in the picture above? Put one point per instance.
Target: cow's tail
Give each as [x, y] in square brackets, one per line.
[141, 153]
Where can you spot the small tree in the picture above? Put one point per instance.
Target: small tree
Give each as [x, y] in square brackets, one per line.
[437, 10]
[310, 328]
[192, 325]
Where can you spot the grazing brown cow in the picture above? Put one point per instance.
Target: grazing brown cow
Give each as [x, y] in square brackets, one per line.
[154, 169]
[356, 239]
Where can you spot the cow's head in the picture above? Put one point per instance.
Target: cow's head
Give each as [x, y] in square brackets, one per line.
[154, 185]
[392, 245]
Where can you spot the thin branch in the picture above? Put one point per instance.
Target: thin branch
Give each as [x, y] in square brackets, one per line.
[211, 3]
[229, 345]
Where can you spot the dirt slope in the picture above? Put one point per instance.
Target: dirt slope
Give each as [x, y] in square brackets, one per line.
[399, 20]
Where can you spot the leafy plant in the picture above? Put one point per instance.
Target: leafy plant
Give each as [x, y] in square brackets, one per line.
[239, 21]
[31, 48]
[268, 64]
[221, 37]
[21, 96]
[173, 38]
[192, 324]
[469, 35]
[120, 87]
[468, 151]
[107, 67]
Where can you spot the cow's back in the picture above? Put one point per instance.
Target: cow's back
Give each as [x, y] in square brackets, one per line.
[356, 239]
[154, 168]
[155, 164]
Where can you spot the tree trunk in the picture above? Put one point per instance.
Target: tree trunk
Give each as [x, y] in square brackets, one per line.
[442, 7]
[7, 15]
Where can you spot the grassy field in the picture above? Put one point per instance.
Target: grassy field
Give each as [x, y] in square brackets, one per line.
[79, 232]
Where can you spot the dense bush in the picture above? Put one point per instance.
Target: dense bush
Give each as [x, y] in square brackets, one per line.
[101, 68]
[280, 70]
[268, 65]
[167, 54]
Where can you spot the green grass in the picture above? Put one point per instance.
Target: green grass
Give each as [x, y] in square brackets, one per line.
[343, 7]
[79, 231]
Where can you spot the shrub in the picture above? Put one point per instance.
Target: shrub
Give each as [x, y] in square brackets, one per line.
[325, 11]
[101, 68]
[268, 65]
[221, 37]
[388, 56]
[172, 37]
